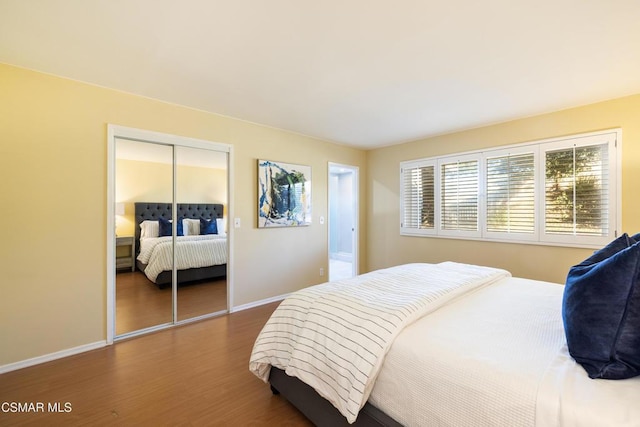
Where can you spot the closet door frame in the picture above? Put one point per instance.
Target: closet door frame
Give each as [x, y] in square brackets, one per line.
[113, 133]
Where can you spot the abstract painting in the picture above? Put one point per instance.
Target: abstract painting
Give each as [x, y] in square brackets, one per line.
[284, 194]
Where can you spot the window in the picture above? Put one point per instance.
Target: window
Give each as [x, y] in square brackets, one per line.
[579, 190]
[511, 194]
[459, 185]
[559, 191]
[418, 196]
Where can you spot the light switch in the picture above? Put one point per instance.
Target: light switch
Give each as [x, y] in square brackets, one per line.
[321, 220]
[236, 222]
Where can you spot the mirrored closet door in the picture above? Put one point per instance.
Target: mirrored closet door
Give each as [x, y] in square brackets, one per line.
[201, 193]
[171, 246]
[143, 172]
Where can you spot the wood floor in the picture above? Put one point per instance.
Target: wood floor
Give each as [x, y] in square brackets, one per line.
[193, 375]
[141, 304]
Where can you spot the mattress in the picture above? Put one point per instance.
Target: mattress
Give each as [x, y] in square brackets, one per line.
[191, 252]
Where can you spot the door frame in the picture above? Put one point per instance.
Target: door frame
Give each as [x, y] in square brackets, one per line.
[355, 170]
[114, 132]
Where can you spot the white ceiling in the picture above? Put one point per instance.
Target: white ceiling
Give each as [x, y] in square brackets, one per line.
[365, 73]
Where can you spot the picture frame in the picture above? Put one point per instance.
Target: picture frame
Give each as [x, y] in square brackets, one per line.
[284, 194]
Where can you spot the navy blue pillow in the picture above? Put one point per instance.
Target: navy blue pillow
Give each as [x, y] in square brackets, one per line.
[164, 227]
[208, 226]
[601, 311]
[622, 242]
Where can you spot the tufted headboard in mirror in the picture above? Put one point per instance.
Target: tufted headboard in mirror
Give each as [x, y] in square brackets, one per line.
[152, 211]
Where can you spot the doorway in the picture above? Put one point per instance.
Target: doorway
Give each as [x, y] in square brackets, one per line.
[343, 221]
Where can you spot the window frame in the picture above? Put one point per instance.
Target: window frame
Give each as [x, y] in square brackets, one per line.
[498, 235]
[460, 158]
[581, 141]
[613, 137]
[410, 165]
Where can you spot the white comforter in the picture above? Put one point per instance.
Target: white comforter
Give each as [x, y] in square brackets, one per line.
[334, 336]
[191, 252]
[498, 357]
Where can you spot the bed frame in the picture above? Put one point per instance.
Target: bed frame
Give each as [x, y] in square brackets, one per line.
[153, 211]
[320, 411]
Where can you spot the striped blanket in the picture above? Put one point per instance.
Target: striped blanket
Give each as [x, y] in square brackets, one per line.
[191, 252]
[334, 336]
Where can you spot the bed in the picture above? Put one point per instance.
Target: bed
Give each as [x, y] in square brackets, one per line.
[198, 256]
[442, 345]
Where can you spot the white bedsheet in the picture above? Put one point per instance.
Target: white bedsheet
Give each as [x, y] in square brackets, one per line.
[497, 357]
[334, 336]
[191, 252]
[569, 398]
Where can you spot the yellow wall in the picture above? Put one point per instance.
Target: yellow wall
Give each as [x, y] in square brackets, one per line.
[537, 262]
[53, 188]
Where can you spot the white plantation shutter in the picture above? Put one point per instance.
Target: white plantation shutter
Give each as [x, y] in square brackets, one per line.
[459, 183]
[577, 191]
[561, 191]
[418, 204]
[511, 194]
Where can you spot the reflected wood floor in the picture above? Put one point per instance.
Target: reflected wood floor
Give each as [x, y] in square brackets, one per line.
[141, 304]
[191, 375]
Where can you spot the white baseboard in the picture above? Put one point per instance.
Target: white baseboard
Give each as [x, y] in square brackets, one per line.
[258, 303]
[51, 356]
[87, 347]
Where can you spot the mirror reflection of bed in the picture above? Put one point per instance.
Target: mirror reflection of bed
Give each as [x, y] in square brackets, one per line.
[143, 295]
[148, 177]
